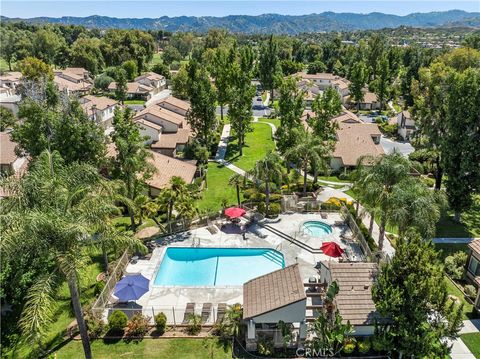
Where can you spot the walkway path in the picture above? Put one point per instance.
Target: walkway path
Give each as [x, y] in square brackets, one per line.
[453, 240]
[459, 349]
[222, 145]
[267, 99]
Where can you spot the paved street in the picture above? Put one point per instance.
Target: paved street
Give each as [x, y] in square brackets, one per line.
[405, 148]
[259, 110]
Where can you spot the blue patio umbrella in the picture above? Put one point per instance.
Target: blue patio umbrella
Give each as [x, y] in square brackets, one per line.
[131, 287]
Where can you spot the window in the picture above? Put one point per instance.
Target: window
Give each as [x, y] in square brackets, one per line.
[474, 266]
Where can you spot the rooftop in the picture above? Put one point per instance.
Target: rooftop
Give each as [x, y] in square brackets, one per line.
[354, 299]
[161, 113]
[100, 102]
[184, 105]
[272, 291]
[168, 167]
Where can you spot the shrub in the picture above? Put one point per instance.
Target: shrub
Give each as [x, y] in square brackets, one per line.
[470, 291]
[349, 347]
[455, 265]
[95, 324]
[101, 82]
[378, 343]
[98, 288]
[138, 325]
[160, 322]
[117, 321]
[265, 346]
[194, 324]
[344, 176]
[275, 197]
[273, 210]
[364, 346]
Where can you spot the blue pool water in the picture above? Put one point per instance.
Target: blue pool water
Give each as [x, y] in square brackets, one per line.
[317, 228]
[216, 266]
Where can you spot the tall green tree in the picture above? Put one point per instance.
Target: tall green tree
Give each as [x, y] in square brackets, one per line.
[382, 81]
[265, 172]
[309, 151]
[240, 109]
[50, 214]
[85, 52]
[269, 65]
[121, 85]
[325, 106]
[358, 77]
[178, 197]
[47, 44]
[290, 108]
[61, 125]
[8, 46]
[201, 116]
[411, 292]
[378, 179]
[180, 84]
[223, 63]
[34, 69]
[130, 159]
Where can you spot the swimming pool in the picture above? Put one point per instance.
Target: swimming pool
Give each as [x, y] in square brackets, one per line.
[215, 266]
[317, 228]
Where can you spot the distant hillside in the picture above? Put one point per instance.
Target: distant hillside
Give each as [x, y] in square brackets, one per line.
[274, 23]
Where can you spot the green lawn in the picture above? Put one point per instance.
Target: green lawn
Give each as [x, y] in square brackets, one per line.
[447, 249]
[149, 348]
[468, 311]
[157, 58]
[63, 314]
[331, 179]
[469, 226]
[134, 102]
[351, 193]
[472, 341]
[274, 121]
[218, 188]
[4, 65]
[257, 143]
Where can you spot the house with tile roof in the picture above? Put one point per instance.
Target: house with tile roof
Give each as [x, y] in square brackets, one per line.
[369, 102]
[473, 268]
[354, 139]
[10, 79]
[279, 295]
[165, 168]
[73, 80]
[99, 108]
[10, 162]
[167, 132]
[354, 299]
[144, 87]
[174, 104]
[322, 81]
[406, 125]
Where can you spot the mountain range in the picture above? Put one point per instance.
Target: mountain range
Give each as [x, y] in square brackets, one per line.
[273, 23]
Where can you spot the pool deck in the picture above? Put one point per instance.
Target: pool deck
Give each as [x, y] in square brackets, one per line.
[168, 298]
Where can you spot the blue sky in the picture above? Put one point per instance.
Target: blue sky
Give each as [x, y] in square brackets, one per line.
[153, 9]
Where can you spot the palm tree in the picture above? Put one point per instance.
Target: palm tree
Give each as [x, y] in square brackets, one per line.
[267, 171]
[416, 206]
[309, 151]
[238, 181]
[179, 197]
[378, 180]
[51, 212]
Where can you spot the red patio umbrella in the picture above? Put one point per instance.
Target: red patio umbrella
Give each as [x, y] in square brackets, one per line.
[332, 249]
[234, 212]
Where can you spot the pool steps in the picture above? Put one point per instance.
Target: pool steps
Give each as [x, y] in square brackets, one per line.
[290, 239]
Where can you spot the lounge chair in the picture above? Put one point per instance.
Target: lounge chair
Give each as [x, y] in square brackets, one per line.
[324, 215]
[189, 310]
[206, 310]
[221, 310]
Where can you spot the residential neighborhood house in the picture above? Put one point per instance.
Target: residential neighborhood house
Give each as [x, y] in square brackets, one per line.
[473, 268]
[73, 80]
[143, 87]
[354, 299]
[279, 295]
[406, 125]
[99, 108]
[167, 132]
[354, 139]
